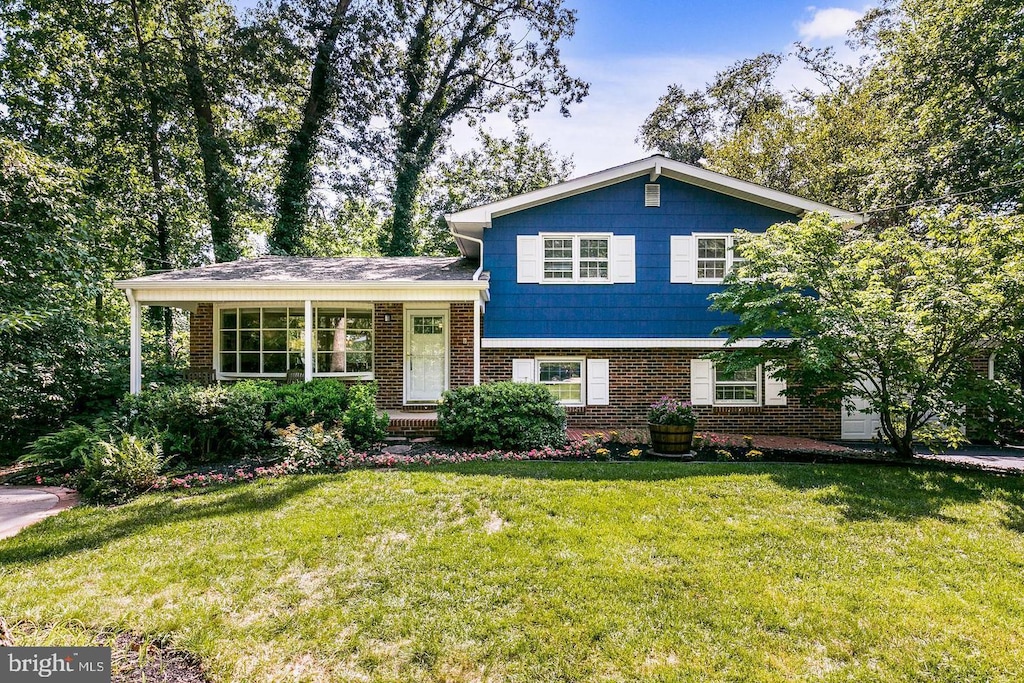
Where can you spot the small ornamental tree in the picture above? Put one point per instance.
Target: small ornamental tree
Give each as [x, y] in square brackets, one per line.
[893, 318]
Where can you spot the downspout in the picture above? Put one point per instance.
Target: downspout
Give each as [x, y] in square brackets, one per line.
[476, 309]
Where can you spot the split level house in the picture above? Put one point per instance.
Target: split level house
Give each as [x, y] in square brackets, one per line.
[596, 288]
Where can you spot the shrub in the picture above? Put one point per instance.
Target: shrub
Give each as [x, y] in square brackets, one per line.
[506, 415]
[62, 452]
[313, 449]
[308, 403]
[199, 424]
[363, 423]
[118, 470]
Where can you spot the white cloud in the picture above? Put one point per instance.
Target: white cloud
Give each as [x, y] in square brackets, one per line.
[828, 23]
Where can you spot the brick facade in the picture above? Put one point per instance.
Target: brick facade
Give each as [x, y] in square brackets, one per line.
[639, 377]
[200, 337]
[461, 341]
[388, 355]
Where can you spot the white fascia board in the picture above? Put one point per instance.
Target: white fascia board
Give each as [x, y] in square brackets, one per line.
[480, 217]
[612, 343]
[181, 292]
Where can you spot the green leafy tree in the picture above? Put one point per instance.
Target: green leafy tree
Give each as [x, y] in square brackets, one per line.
[495, 169]
[891, 317]
[467, 59]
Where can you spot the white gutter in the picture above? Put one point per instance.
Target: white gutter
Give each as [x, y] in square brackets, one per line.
[480, 242]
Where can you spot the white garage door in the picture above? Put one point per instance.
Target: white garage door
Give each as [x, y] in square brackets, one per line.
[858, 426]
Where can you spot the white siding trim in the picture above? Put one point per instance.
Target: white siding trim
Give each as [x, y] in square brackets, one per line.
[528, 258]
[623, 253]
[682, 263]
[597, 387]
[701, 382]
[615, 343]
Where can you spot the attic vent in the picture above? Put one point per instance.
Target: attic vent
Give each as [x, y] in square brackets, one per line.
[652, 194]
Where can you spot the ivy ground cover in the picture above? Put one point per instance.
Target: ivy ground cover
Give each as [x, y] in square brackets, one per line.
[539, 571]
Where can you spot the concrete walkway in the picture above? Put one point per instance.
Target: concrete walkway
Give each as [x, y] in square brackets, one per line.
[1006, 459]
[22, 505]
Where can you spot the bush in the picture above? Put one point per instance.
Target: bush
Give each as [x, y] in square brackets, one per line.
[62, 452]
[305, 404]
[363, 423]
[198, 424]
[505, 415]
[118, 470]
[313, 449]
[331, 403]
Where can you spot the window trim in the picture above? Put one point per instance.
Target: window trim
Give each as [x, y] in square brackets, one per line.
[576, 237]
[564, 359]
[757, 382]
[219, 307]
[730, 255]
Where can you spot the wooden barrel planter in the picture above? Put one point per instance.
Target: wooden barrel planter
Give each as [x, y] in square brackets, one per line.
[671, 439]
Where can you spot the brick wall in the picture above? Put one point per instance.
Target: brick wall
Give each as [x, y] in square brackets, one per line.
[639, 377]
[200, 337]
[388, 355]
[461, 341]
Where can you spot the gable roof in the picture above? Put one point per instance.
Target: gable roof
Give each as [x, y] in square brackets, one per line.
[469, 224]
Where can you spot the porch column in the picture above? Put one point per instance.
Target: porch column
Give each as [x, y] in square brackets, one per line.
[135, 345]
[307, 333]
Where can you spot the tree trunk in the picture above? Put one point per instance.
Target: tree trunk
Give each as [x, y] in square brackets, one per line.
[296, 182]
[399, 238]
[152, 125]
[213, 149]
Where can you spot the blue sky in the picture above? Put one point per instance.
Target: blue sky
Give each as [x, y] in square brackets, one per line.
[631, 50]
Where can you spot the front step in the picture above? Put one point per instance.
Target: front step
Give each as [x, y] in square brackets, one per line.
[413, 425]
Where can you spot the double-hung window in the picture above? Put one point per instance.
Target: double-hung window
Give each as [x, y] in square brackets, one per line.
[563, 377]
[737, 388]
[576, 258]
[716, 257]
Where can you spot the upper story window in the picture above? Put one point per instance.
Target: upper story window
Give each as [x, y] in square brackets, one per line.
[576, 258]
[702, 257]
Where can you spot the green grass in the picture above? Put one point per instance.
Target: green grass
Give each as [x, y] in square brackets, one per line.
[554, 572]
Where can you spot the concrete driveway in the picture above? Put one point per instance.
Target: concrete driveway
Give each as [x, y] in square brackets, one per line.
[24, 505]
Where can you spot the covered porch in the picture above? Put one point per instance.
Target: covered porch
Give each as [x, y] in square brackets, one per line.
[410, 324]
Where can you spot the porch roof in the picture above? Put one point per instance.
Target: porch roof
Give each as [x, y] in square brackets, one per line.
[279, 278]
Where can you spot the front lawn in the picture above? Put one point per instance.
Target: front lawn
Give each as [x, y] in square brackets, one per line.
[553, 572]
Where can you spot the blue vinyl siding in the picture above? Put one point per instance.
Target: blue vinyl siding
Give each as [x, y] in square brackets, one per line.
[652, 307]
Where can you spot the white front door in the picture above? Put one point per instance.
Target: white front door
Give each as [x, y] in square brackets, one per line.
[426, 354]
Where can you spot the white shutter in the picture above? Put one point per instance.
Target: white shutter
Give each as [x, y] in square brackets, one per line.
[773, 387]
[597, 382]
[700, 382]
[623, 258]
[528, 263]
[523, 370]
[682, 259]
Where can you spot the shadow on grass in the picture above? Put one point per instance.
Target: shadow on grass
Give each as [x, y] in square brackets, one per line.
[862, 492]
[94, 528]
